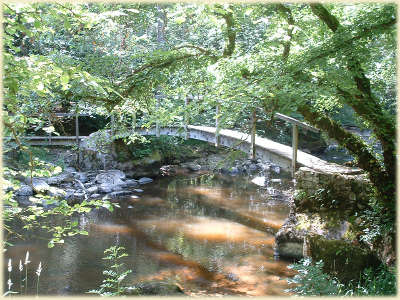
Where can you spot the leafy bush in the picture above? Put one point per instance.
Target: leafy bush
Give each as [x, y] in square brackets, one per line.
[312, 281]
[374, 283]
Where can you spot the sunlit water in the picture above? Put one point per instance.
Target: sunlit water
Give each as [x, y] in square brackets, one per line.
[197, 230]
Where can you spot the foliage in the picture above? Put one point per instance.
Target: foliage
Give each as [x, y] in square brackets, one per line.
[374, 283]
[111, 285]
[311, 281]
[140, 62]
[47, 210]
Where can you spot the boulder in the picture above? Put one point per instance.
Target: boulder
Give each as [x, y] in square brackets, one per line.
[111, 177]
[69, 193]
[81, 176]
[80, 196]
[92, 190]
[69, 170]
[63, 177]
[131, 183]
[105, 188]
[40, 185]
[56, 192]
[24, 190]
[23, 201]
[192, 166]
[145, 180]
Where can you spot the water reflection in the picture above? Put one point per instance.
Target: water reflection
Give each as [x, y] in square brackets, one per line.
[212, 234]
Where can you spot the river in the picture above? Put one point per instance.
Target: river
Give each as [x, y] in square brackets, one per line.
[211, 234]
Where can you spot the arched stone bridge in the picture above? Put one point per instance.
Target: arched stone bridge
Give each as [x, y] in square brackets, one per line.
[265, 149]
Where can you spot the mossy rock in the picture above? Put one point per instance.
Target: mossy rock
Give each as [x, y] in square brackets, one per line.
[341, 258]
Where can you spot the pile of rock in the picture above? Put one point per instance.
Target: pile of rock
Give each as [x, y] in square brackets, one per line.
[220, 163]
[78, 186]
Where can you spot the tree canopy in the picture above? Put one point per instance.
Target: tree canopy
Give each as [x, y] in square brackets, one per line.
[311, 61]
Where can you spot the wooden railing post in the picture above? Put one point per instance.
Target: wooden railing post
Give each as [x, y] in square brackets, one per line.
[253, 135]
[157, 121]
[217, 125]
[134, 121]
[77, 134]
[49, 130]
[295, 145]
[186, 118]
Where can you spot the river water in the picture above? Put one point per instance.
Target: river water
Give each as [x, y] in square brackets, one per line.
[211, 234]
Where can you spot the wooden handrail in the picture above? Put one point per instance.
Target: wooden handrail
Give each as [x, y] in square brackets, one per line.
[296, 122]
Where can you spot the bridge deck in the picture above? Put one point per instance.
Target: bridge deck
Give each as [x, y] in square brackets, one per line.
[303, 158]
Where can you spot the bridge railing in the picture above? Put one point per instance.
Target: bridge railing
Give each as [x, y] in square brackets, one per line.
[294, 122]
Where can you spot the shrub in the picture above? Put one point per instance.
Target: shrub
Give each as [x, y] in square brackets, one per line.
[312, 281]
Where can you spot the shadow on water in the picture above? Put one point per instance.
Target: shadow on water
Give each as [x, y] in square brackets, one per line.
[210, 233]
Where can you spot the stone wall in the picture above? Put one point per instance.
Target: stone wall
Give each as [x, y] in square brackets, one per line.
[319, 192]
[322, 218]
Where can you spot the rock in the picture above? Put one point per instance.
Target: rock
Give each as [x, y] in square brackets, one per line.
[49, 204]
[69, 193]
[191, 166]
[276, 169]
[232, 276]
[194, 167]
[145, 180]
[92, 190]
[40, 185]
[259, 180]
[117, 188]
[263, 167]
[63, 177]
[24, 190]
[79, 196]
[111, 177]
[131, 183]
[168, 170]
[253, 168]
[82, 177]
[95, 196]
[70, 170]
[234, 171]
[138, 190]
[23, 201]
[117, 194]
[158, 288]
[105, 188]
[56, 192]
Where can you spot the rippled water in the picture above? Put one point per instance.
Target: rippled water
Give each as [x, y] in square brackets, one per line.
[210, 233]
